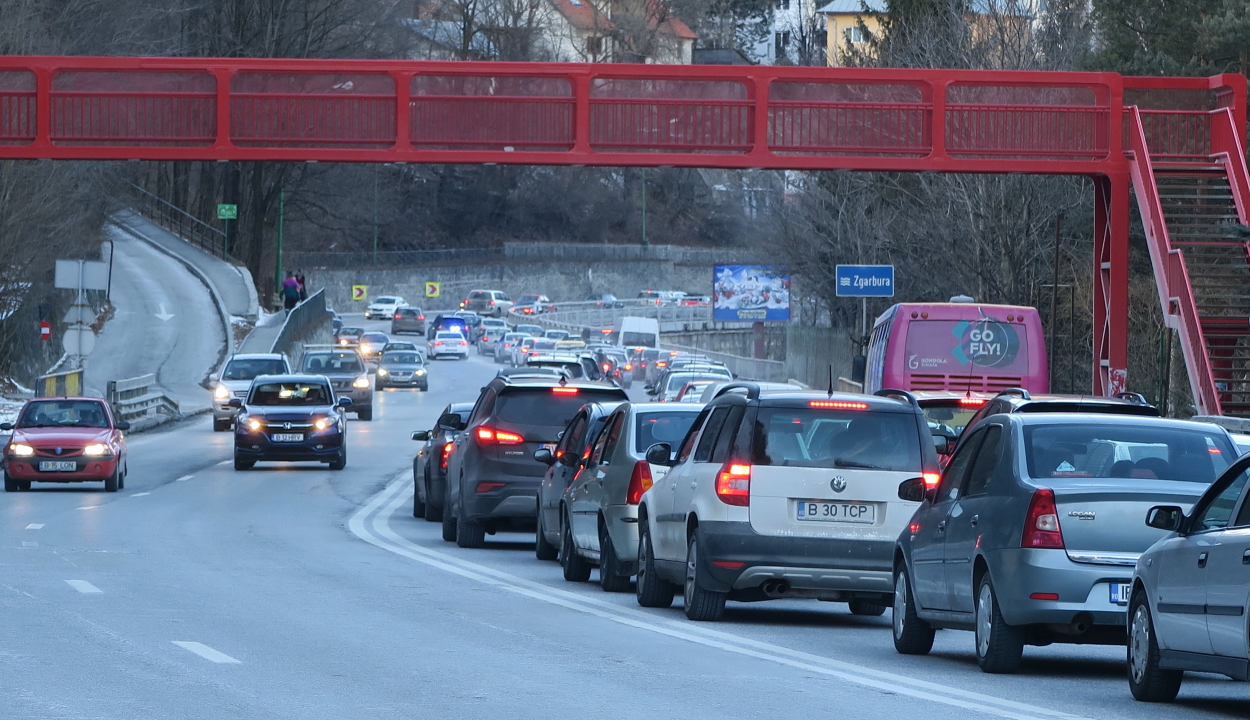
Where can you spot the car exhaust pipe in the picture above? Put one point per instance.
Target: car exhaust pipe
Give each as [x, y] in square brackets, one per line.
[775, 588]
[1081, 623]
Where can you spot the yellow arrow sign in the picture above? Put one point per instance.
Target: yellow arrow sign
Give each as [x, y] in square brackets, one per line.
[433, 289]
[360, 292]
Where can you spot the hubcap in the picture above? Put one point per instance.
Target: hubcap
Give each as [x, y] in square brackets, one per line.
[1139, 643]
[644, 555]
[692, 559]
[985, 619]
[900, 604]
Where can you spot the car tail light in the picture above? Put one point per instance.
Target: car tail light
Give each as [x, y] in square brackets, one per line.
[606, 367]
[420, 317]
[629, 366]
[564, 390]
[639, 482]
[931, 479]
[838, 404]
[661, 363]
[492, 303]
[1041, 524]
[438, 342]
[971, 402]
[398, 316]
[442, 461]
[487, 436]
[462, 342]
[1044, 596]
[485, 487]
[733, 484]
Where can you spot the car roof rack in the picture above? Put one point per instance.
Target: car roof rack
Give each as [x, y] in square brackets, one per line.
[896, 394]
[753, 389]
[1018, 392]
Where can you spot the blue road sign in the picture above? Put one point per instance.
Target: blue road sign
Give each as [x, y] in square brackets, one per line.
[865, 280]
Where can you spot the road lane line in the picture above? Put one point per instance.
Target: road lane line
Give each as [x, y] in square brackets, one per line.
[84, 587]
[141, 494]
[184, 478]
[35, 526]
[88, 507]
[206, 652]
[399, 492]
[225, 462]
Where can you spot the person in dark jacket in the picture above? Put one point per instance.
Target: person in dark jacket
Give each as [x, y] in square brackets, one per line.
[290, 292]
[303, 286]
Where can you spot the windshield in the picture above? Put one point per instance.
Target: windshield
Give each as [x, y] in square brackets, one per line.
[401, 358]
[332, 364]
[810, 437]
[386, 301]
[637, 338]
[375, 337]
[352, 331]
[1110, 450]
[290, 393]
[572, 369]
[949, 420]
[64, 413]
[250, 368]
[545, 408]
[661, 427]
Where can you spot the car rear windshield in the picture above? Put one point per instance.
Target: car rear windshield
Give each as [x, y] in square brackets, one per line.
[830, 438]
[662, 427]
[1077, 406]
[64, 413]
[386, 300]
[547, 408]
[526, 299]
[449, 336]
[637, 338]
[949, 420]
[530, 329]
[247, 369]
[290, 393]
[401, 358]
[375, 337]
[351, 331]
[1110, 450]
[332, 364]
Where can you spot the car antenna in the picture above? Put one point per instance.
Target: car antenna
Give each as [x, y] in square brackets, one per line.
[830, 380]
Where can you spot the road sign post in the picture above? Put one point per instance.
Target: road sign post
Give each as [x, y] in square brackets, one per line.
[229, 212]
[433, 289]
[863, 282]
[79, 275]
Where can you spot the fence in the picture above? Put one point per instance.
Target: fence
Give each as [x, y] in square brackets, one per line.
[181, 223]
[303, 319]
[742, 367]
[524, 253]
[392, 258]
[59, 384]
[138, 398]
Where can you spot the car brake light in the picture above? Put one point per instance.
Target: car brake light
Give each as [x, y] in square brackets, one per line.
[971, 402]
[838, 404]
[639, 482]
[492, 302]
[462, 342]
[442, 463]
[661, 363]
[487, 435]
[420, 317]
[564, 390]
[1041, 524]
[606, 367]
[931, 479]
[398, 316]
[1044, 596]
[485, 487]
[628, 366]
[733, 484]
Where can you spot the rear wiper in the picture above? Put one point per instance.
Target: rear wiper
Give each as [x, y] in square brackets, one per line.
[843, 463]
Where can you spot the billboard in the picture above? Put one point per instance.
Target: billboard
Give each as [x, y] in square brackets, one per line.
[956, 346]
[750, 293]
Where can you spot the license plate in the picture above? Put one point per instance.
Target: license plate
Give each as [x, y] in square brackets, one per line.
[847, 512]
[1120, 593]
[548, 446]
[288, 437]
[58, 466]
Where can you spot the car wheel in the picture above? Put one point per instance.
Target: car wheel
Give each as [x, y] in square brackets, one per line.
[866, 609]
[241, 464]
[111, 482]
[702, 605]
[121, 480]
[10, 485]
[611, 579]
[449, 524]
[433, 513]
[221, 425]
[543, 550]
[576, 568]
[912, 636]
[365, 414]
[469, 533]
[418, 507]
[650, 589]
[340, 461]
[999, 645]
[1147, 681]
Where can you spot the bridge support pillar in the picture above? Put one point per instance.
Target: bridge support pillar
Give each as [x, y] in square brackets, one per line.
[1111, 238]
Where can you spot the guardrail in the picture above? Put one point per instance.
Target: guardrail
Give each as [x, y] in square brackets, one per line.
[67, 383]
[309, 313]
[595, 316]
[181, 223]
[139, 397]
[742, 367]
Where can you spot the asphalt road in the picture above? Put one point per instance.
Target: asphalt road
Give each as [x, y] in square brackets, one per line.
[297, 592]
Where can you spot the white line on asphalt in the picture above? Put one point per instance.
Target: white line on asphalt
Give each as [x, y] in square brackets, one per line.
[399, 491]
[141, 494]
[184, 478]
[29, 543]
[206, 652]
[35, 526]
[88, 507]
[83, 587]
[225, 462]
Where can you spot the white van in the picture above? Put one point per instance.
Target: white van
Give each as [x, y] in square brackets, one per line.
[637, 332]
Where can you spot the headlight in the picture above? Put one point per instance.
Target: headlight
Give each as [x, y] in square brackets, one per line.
[342, 341]
[95, 450]
[21, 450]
[382, 371]
[221, 392]
[253, 424]
[418, 372]
[366, 348]
[322, 423]
[361, 382]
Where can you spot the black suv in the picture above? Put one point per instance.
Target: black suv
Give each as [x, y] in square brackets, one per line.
[492, 476]
[429, 467]
[1018, 400]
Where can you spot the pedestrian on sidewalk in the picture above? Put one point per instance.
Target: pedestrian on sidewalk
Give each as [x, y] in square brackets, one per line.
[303, 287]
[290, 292]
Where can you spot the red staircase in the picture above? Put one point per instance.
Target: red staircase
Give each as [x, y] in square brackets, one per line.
[1191, 183]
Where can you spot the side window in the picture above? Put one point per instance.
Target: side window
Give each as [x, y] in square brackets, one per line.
[613, 435]
[987, 459]
[572, 435]
[708, 439]
[954, 475]
[1243, 517]
[727, 434]
[1217, 514]
[485, 406]
[687, 446]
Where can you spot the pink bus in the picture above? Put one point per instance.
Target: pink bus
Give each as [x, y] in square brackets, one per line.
[959, 347]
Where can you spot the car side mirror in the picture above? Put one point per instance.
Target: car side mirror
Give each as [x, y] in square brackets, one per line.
[421, 435]
[544, 456]
[235, 403]
[214, 377]
[660, 454]
[344, 402]
[912, 490]
[120, 425]
[6, 426]
[942, 444]
[570, 459]
[1166, 517]
[451, 421]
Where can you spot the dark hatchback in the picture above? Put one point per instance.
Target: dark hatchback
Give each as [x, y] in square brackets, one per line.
[493, 477]
[429, 467]
[290, 417]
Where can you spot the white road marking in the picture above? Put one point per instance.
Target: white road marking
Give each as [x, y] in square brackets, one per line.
[184, 478]
[35, 526]
[29, 543]
[206, 652]
[162, 315]
[386, 502]
[88, 507]
[141, 494]
[225, 462]
[83, 587]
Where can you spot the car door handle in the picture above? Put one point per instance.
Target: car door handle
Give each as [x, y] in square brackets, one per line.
[1245, 558]
[1202, 560]
[973, 521]
[941, 527]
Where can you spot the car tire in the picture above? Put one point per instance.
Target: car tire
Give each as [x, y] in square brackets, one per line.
[418, 507]
[365, 414]
[610, 577]
[650, 589]
[241, 464]
[576, 568]
[221, 425]
[449, 525]
[340, 461]
[702, 605]
[543, 550]
[110, 482]
[121, 481]
[1146, 680]
[469, 533]
[378, 386]
[999, 646]
[11, 485]
[433, 513]
[866, 609]
[912, 636]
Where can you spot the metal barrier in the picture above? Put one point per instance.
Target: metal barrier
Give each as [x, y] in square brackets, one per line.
[742, 367]
[60, 384]
[139, 397]
[308, 314]
[181, 223]
[589, 314]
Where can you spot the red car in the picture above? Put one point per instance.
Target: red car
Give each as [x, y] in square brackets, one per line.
[65, 440]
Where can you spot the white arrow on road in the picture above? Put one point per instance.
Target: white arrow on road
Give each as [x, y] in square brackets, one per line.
[164, 316]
